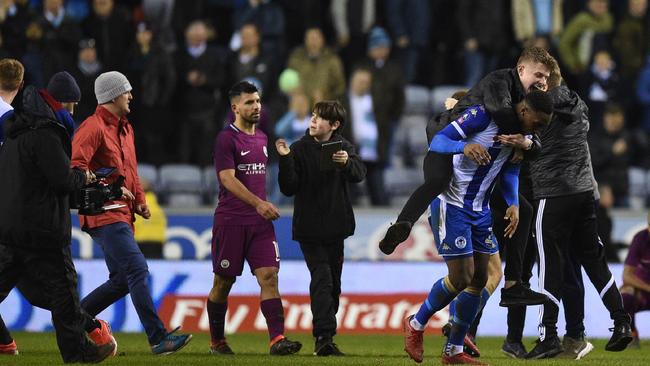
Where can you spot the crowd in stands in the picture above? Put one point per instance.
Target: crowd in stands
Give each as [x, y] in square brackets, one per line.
[373, 55]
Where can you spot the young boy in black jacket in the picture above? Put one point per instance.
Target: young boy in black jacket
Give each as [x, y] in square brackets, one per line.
[322, 215]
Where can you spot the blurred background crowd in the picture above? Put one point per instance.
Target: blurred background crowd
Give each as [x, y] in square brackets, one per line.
[392, 62]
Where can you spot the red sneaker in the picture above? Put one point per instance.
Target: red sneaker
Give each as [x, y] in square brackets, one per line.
[9, 349]
[470, 347]
[413, 340]
[461, 359]
[103, 335]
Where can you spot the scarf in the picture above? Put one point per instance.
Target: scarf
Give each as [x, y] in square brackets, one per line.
[61, 114]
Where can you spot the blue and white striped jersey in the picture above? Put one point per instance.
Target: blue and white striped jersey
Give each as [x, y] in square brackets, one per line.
[471, 184]
[6, 110]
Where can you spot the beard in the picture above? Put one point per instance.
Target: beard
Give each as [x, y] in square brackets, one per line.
[253, 120]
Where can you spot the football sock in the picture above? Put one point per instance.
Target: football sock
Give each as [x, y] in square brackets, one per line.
[466, 308]
[217, 319]
[442, 293]
[274, 314]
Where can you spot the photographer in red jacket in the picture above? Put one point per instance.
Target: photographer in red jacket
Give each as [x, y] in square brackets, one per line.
[105, 140]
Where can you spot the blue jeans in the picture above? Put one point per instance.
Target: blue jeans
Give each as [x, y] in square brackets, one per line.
[128, 273]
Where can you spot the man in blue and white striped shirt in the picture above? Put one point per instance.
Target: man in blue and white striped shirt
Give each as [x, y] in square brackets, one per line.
[466, 238]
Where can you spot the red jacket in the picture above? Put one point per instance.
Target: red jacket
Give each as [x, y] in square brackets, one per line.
[103, 140]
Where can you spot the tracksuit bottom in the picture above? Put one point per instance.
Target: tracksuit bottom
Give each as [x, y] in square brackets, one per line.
[567, 224]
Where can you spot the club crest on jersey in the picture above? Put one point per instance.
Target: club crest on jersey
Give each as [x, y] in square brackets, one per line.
[460, 242]
[225, 263]
[473, 111]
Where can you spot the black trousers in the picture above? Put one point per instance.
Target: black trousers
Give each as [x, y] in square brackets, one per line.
[55, 277]
[515, 247]
[437, 174]
[325, 263]
[563, 226]
[573, 293]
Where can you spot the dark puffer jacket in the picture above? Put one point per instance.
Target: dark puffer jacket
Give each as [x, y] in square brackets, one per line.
[499, 91]
[563, 166]
[36, 178]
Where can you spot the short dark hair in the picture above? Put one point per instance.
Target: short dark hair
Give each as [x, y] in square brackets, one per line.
[242, 87]
[539, 101]
[332, 111]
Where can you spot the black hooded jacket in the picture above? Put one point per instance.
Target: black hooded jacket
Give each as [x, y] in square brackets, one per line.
[499, 91]
[36, 178]
[563, 166]
[322, 210]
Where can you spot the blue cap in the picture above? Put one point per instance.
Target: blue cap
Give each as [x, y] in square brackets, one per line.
[378, 37]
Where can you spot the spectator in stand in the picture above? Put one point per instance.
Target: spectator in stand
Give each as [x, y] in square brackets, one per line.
[631, 43]
[301, 16]
[600, 86]
[252, 61]
[112, 29]
[151, 234]
[485, 32]
[290, 127]
[632, 40]
[34, 57]
[160, 13]
[320, 70]
[269, 19]
[585, 33]
[636, 278]
[295, 122]
[60, 38]
[387, 90]
[537, 22]
[87, 69]
[153, 74]
[610, 154]
[352, 22]
[362, 131]
[643, 94]
[14, 19]
[409, 22]
[201, 73]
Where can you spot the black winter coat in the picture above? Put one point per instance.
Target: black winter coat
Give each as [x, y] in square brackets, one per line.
[36, 178]
[563, 167]
[499, 92]
[322, 209]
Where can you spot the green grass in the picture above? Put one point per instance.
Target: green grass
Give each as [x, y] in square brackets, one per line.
[251, 349]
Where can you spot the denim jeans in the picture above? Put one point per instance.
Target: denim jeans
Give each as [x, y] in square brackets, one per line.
[128, 273]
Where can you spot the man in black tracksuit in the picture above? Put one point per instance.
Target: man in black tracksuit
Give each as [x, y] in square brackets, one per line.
[322, 214]
[35, 223]
[565, 223]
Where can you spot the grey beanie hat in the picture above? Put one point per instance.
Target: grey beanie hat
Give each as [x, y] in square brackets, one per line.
[111, 85]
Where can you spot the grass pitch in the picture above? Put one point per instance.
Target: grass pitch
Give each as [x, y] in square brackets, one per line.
[252, 349]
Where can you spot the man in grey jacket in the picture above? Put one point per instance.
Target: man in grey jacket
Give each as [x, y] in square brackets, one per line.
[563, 189]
